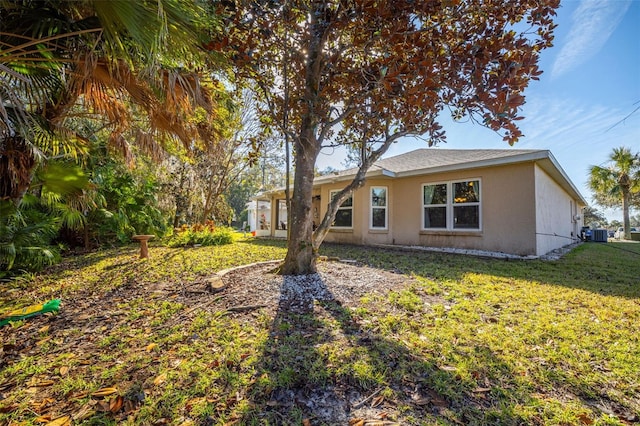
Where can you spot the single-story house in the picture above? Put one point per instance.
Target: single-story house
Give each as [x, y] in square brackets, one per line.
[512, 201]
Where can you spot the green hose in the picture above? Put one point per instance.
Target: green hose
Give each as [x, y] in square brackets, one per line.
[30, 311]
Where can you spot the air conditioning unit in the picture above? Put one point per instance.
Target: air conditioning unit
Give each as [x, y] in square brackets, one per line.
[600, 235]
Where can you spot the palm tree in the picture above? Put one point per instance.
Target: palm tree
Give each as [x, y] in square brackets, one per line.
[617, 182]
[104, 60]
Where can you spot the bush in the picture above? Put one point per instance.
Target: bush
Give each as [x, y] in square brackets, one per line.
[26, 234]
[201, 234]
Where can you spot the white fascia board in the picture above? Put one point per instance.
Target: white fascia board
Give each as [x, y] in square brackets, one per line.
[347, 177]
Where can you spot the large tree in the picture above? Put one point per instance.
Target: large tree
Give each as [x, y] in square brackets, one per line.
[370, 72]
[61, 59]
[617, 183]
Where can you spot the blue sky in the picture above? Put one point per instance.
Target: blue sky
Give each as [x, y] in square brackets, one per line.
[591, 81]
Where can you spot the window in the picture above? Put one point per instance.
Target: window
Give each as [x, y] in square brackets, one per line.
[435, 206]
[466, 204]
[281, 215]
[344, 215]
[451, 205]
[378, 219]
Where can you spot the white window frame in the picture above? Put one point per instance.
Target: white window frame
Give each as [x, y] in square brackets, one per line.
[385, 208]
[450, 204]
[467, 204]
[424, 206]
[331, 195]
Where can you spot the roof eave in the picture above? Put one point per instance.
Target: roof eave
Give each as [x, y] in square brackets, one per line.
[512, 159]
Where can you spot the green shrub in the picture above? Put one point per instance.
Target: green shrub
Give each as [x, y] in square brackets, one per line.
[201, 234]
[26, 235]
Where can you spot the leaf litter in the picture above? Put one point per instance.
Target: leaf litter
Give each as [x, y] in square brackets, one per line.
[84, 337]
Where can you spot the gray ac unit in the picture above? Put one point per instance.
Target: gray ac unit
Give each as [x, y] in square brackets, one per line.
[600, 235]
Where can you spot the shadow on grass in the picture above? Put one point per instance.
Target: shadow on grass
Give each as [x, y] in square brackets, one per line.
[322, 364]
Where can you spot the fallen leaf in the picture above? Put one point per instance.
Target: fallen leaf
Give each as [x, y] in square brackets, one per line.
[102, 406]
[377, 401]
[481, 390]
[448, 368]
[43, 383]
[306, 422]
[43, 419]
[356, 422]
[8, 408]
[60, 421]
[160, 379]
[116, 404]
[151, 347]
[44, 329]
[84, 413]
[79, 395]
[585, 419]
[421, 401]
[104, 392]
[64, 370]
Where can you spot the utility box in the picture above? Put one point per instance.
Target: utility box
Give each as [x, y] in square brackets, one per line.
[600, 235]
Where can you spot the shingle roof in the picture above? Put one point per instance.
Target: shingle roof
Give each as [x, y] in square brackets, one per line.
[430, 158]
[426, 158]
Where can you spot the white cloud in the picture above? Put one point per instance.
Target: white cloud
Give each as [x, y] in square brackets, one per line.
[592, 23]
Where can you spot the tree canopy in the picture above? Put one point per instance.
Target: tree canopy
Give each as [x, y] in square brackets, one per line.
[618, 183]
[122, 63]
[84, 87]
[366, 73]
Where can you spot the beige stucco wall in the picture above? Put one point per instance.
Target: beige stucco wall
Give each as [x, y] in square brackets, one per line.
[360, 233]
[555, 214]
[524, 211]
[508, 212]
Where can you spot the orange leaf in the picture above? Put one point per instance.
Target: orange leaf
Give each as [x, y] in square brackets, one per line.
[104, 392]
[60, 421]
[116, 404]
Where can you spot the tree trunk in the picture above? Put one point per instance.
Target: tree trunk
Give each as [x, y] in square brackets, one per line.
[301, 254]
[626, 198]
[17, 165]
[85, 234]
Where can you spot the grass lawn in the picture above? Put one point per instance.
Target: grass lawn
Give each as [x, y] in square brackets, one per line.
[469, 341]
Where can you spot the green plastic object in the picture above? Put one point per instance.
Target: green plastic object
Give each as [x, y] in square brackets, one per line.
[30, 311]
